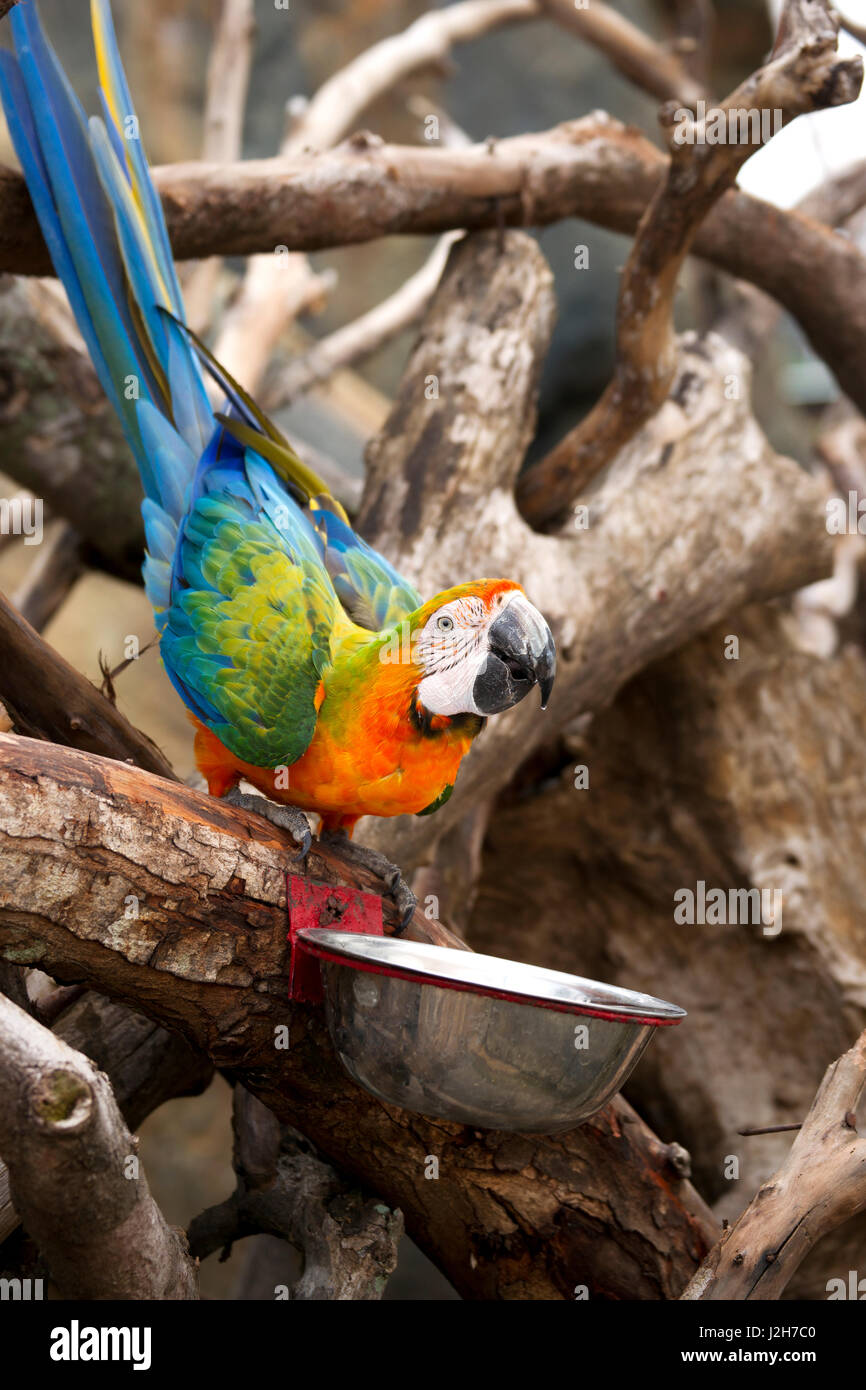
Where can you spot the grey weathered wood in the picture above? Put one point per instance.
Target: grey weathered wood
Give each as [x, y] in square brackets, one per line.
[68, 1153]
[696, 516]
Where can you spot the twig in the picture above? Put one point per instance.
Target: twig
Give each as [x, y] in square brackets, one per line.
[632, 52]
[277, 288]
[364, 335]
[821, 1184]
[225, 101]
[75, 1176]
[110, 672]
[803, 73]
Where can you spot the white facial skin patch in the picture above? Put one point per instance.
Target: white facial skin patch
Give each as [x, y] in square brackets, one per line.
[453, 652]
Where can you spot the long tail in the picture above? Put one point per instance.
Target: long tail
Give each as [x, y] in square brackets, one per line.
[103, 224]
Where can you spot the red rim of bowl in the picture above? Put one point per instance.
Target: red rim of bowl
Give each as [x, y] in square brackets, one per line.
[442, 982]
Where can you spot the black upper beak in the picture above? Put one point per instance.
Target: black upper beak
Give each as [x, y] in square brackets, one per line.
[521, 654]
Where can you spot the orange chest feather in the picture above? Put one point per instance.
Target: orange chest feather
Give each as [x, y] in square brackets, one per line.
[370, 755]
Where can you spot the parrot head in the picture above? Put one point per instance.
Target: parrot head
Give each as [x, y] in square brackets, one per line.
[480, 648]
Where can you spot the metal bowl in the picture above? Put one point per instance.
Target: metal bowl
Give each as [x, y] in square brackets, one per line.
[476, 1039]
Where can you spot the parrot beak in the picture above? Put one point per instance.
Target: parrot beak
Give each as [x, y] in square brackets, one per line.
[521, 654]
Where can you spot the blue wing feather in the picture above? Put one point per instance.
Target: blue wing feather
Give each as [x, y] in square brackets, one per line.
[249, 561]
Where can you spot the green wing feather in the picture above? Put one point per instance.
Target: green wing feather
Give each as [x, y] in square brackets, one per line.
[254, 625]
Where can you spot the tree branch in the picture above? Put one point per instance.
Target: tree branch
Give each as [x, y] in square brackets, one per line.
[821, 1184]
[364, 335]
[804, 73]
[509, 1216]
[50, 577]
[145, 1064]
[59, 435]
[340, 101]
[47, 698]
[595, 168]
[74, 1174]
[349, 1242]
[225, 102]
[696, 516]
[632, 52]
[275, 289]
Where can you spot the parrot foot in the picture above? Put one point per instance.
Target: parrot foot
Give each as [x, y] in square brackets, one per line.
[284, 817]
[398, 889]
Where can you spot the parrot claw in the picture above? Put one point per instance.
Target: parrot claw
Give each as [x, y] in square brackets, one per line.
[284, 817]
[398, 889]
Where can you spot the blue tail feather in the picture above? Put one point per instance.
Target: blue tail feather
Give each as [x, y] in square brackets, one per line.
[104, 228]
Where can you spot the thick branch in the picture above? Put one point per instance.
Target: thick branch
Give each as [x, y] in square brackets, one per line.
[47, 698]
[59, 435]
[145, 1064]
[74, 1174]
[595, 168]
[803, 74]
[821, 1184]
[524, 1217]
[695, 517]
[632, 52]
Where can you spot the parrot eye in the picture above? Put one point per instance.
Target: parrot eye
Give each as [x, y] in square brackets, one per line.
[445, 624]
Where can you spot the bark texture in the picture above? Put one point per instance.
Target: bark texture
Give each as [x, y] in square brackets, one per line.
[349, 1240]
[59, 435]
[821, 1183]
[696, 516]
[145, 1064]
[746, 774]
[74, 1174]
[509, 1216]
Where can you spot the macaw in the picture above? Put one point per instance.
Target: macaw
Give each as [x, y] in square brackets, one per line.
[309, 666]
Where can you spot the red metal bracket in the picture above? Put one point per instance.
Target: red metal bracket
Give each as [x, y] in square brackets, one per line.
[319, 905]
